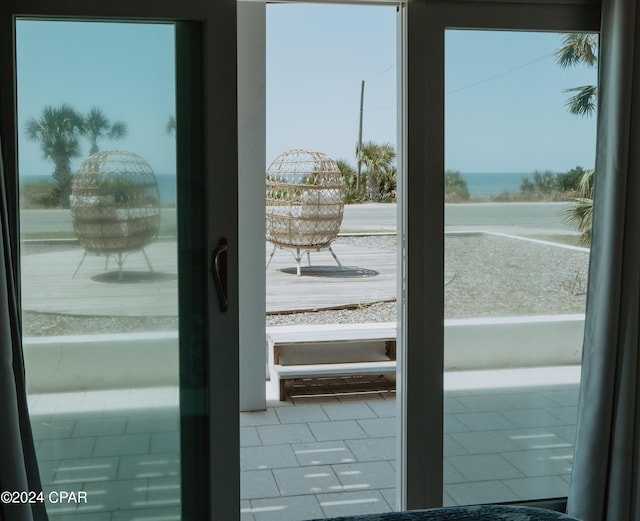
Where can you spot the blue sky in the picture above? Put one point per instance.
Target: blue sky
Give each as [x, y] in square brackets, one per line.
[505, 101]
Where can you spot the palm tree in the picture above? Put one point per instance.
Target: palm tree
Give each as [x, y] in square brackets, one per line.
[377, 159]
[580, 48]
[97, 127]
[581, 213]
[57, 130]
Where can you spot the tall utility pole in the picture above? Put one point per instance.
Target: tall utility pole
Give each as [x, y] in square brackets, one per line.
[359, 151]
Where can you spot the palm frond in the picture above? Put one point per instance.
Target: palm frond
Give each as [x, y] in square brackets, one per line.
[118, 130]
[578, 48]
[584, 102]
[580, 214]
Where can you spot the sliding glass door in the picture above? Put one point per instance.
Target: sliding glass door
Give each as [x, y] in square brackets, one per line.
[495, 275]
[127, 264]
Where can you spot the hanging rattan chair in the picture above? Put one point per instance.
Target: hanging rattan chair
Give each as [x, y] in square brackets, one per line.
[115, 205]
[305, 203]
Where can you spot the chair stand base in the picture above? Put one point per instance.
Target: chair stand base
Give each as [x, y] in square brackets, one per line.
[120, 258]
[299, 252]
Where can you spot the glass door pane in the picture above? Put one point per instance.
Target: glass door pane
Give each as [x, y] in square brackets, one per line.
[515, 265]
[97, 172]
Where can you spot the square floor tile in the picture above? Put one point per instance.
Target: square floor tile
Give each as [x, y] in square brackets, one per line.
[353, 503]
[564, 397]
[280, 434]
[529, 400]
[249, 437]
[322, 453]
[451, 447]
[484, 421]
[453, 405]
[115, 495]
[267, 457]
[389, 495]
[256, 484]
[337, 430]
[451, 424]
[484, 467]
[86, 470]
[163, 492]
[450, 474]
[480, 492]
[147, 423]
[363, 476]
[348, 411]
[484, 403]
[99, 427]
[306, 480]
[568, 414]
[165, 442]
[245, 511]
[148, 514]
[254, 418]
[543, 462]
[379, 427]
[149, 466]
[373, 449]
[65, 448]
[84, 516]
[51, 429]
[539, 437]
[387, 408]
[301, 414]
[479, 442]
[122, 445]
[291, 508]
[531, 418]
[538, 488]
[565, 432]
[48, 471]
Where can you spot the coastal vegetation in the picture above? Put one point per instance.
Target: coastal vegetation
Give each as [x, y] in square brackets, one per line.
[378, 182]
[58, 131]
[456, 189]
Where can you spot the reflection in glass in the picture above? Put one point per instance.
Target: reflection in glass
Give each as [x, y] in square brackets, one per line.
[515, 271]
[98, 263]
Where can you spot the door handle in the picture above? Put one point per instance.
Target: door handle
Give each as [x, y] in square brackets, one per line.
[219, 273]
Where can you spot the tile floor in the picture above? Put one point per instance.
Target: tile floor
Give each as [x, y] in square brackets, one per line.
[309, 457]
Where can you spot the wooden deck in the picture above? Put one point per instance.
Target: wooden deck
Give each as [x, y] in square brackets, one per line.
[48, 286]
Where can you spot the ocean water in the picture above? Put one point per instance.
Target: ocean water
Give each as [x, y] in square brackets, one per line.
[479, 184]
[485, 184]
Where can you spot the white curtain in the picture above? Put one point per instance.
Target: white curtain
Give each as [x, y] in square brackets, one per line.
[18, 465]
[605, 484]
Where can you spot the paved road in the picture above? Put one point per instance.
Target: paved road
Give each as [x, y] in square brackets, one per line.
[504, 217]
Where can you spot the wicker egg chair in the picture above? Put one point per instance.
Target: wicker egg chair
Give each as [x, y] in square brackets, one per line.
[115, 205]
[305, 203]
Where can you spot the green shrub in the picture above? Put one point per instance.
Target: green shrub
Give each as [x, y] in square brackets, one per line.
[388, 185]
[570, 181]
[350, 181]
[455, 187]
[39, 194]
